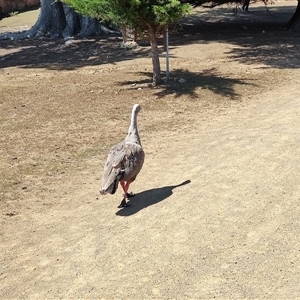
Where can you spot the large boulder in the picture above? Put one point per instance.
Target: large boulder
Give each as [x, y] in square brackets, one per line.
[8, 6]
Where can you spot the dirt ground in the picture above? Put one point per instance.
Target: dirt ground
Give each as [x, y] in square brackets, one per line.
[216, 211]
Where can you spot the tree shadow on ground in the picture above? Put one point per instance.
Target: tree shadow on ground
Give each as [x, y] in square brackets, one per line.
[60, 55]
[207, 79]
[259, 35]
[148, 198]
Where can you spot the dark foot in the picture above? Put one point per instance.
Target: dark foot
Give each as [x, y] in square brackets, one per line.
[123, 204]
[129, 195]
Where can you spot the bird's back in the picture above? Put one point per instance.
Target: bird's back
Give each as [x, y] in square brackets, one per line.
[123, 163]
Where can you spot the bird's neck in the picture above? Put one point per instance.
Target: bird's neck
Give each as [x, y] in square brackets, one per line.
[133, 135]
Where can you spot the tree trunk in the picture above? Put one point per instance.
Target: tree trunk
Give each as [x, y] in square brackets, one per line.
[155, 57]
[59, 20]
[124, 32]
[72, 25]
[89, 26]
[291, 24]
[51, 21]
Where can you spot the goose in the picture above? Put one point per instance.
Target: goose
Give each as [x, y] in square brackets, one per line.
[124, 161]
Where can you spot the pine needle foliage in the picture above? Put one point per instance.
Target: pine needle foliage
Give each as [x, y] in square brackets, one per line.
[136, 13]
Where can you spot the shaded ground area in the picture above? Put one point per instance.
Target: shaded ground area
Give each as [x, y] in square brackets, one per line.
[216, 211]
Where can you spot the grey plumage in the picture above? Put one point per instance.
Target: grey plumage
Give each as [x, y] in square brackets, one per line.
[124, 161]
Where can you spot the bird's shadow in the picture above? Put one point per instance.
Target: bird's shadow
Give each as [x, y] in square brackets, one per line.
[147, 198]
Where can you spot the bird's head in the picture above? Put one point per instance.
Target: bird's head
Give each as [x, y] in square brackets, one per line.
[136, 108]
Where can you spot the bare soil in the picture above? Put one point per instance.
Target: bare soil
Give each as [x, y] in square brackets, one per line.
[216, 211]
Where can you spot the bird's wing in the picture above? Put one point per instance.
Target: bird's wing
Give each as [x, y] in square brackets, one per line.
[116, 155]
[133, 160]
[112, 169]
[124, 162]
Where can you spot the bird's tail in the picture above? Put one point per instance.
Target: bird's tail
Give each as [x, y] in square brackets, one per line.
[110, 189]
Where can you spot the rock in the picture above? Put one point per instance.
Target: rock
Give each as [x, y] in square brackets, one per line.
[129, 45]
[182, 80]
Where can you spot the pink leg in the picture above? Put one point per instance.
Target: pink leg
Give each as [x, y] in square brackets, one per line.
[125, 187]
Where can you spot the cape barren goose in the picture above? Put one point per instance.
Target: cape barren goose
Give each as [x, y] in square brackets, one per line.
[124, 161]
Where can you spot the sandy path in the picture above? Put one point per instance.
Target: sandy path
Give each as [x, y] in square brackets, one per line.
[231, 232]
